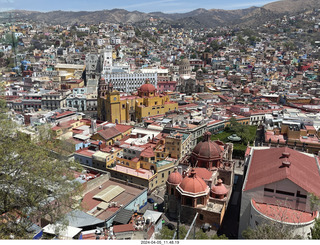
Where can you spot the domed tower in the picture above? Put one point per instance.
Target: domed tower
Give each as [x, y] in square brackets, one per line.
[102, 87]
[147, 90]
[174, 179]
[184, 68]
[172, 195]
[193, 190]
[219, 190]
[207, 154]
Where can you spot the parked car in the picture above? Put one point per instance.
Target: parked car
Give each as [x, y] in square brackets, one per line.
[155, 206]
[150, 200]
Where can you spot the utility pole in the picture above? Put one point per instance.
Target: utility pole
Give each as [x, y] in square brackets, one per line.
[178, 223]
[194, 227]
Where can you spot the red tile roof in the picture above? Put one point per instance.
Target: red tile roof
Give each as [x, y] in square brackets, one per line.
[284, 214]
[266, 167]
[203, 173]
[123, 228]
[109, 133]
[150, 231]
[123, 128]
[147, 153]
[58, 115]
[310, 127]
[85, 152]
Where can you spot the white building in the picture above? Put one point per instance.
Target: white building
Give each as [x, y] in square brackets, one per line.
[129, 82]
[276, 188]
[106, 60]
[115, 40]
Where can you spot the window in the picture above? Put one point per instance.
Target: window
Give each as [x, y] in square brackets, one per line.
[123, 106]
[199, 200]
[268, 190]
[162, 175]
[285, 193]
[188, 201]
[301, 195]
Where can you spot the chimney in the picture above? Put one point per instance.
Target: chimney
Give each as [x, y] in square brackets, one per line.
[286, 162]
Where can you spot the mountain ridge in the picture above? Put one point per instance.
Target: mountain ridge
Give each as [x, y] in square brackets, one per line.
[200, 17]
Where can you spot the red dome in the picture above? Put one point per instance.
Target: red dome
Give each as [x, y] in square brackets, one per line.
[175, 178]
[207, 149]
[219, 189]
[147, 87]
[193, 184]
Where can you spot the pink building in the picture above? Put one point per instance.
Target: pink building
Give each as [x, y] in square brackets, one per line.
[166, 86]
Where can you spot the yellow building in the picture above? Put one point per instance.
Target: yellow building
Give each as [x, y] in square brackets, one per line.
[69, 71]
[240, 119]
[64, 129]
[110, 135]
[120, 109]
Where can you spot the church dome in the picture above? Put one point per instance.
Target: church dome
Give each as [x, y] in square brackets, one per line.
[185, 62]
[219, 189]
[207, 149]
[193, 184]
[147, 88]
[175, 178]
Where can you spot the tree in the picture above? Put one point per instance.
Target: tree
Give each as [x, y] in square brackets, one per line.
[94, 29]
[214, 45]
[241, 40]
[10, 39]
[137, 32]
[166, 233]
[240, 129]
[315, 230]
[33, 184]
[273, 231]
[216, 237]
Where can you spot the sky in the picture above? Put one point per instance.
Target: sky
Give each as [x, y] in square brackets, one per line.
[147, 6]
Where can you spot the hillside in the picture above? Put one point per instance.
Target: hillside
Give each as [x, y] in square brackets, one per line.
[197, 18]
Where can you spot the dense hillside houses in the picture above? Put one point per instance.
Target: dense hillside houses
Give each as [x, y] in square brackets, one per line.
[174, 123]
